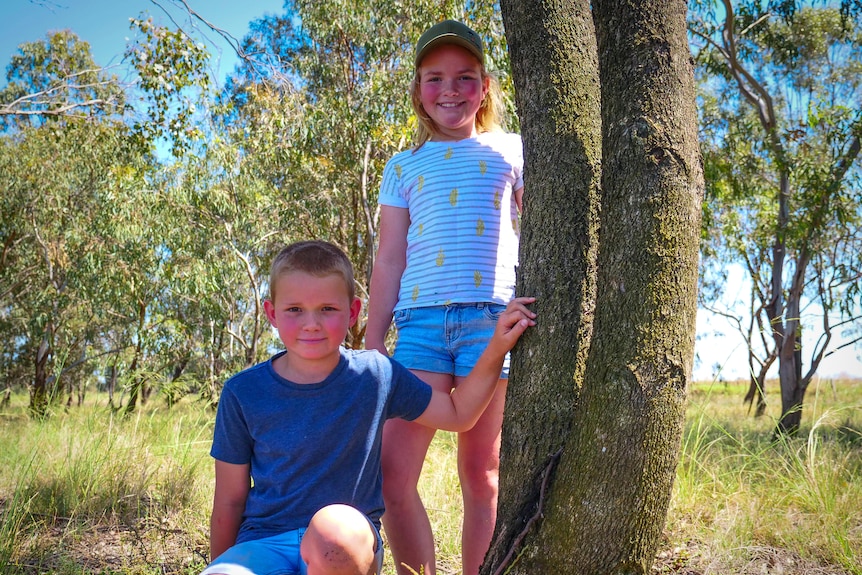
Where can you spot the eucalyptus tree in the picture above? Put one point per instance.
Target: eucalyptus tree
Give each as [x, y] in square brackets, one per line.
[84, 228]
[343, 71]
[60, 180]
[55, 79]
[63, 137]
[781, 123]
[613, 179]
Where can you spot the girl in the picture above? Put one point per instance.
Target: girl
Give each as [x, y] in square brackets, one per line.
[445, 269]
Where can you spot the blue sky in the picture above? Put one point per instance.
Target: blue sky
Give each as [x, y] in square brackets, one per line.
[105, 23]
[720, 344]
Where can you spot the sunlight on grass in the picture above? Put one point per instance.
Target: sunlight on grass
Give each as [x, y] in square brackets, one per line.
[148, 475]
[89, 484]
[739, 490]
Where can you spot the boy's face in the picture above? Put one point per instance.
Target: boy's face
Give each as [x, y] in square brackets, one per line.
[312, 314]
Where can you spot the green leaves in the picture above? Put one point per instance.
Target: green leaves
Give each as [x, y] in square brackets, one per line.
[172, 71]
[56, 78]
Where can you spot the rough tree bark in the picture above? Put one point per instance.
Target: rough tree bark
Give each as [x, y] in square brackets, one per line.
[593, 424]
[558, 100]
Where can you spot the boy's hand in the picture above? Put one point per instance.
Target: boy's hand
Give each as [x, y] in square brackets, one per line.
[461, 409]
[514, 322]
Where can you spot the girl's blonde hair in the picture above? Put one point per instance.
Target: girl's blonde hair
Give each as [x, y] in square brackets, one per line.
[489, 117]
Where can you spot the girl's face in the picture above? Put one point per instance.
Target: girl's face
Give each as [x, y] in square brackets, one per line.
[451, 89]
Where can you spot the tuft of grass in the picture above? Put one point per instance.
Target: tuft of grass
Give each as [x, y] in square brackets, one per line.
[744, 500]
[73, 480]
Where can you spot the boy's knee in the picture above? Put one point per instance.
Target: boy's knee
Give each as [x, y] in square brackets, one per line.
[339, 540]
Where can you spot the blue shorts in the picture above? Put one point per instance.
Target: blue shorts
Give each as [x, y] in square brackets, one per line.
[446, 339]
[276, 555]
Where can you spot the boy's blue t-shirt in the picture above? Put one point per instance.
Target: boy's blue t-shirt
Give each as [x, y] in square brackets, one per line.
[312, 445]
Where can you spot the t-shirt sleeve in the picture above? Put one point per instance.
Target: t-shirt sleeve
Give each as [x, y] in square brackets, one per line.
[390, 186]
[518, 161]
[410, 395]
[231, 440]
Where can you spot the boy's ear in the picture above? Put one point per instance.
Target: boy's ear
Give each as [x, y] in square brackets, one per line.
[270, 312]
[355, 308]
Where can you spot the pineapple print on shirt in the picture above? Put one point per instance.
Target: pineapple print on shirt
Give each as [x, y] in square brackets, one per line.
[458, 197]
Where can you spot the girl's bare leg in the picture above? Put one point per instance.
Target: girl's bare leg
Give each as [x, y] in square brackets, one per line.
[479, 472]
[408, 529]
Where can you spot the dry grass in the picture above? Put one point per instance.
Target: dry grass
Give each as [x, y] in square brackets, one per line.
[86, 492]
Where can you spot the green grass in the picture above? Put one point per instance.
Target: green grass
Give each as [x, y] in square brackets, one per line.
[741, 497]
[91, 483]
[89, 491]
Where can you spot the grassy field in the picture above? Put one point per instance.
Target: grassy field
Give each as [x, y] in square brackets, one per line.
[87, 491]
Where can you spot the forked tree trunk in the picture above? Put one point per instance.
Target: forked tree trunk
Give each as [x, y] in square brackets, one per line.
[600, 505]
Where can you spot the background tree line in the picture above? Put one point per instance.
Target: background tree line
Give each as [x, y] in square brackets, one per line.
[138, 218]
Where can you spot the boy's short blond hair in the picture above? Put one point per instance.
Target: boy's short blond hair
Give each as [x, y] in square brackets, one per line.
[314, 257]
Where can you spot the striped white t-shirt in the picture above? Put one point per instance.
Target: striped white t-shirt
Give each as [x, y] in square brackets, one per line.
[462, 243]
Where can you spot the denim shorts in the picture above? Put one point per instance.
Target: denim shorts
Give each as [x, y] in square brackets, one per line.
[276, 555]
[448, 338]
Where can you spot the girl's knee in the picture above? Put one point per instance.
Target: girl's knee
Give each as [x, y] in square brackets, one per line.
[479, 482]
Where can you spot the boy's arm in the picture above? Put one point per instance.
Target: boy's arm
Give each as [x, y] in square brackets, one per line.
[232, 484]
[459, 410]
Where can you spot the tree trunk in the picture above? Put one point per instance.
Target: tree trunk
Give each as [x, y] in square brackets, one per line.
[599, 506]
[789, 343]
[138, 386]
[111, 382]
[557, 96]
[135, 387]
[792, 395]
[6, 399]
[39, 392]
[790, 379]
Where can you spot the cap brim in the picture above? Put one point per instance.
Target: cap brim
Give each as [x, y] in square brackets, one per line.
[447, 39]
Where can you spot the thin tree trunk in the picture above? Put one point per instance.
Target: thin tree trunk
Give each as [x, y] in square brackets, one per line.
[7, 396]
[39, 393]
[112, 383]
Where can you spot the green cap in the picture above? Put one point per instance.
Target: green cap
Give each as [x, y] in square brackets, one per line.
[449, 32]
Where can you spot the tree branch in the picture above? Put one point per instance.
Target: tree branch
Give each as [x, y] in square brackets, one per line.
[546, 475]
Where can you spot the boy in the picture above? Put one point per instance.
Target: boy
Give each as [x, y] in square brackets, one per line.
[297, 438]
